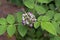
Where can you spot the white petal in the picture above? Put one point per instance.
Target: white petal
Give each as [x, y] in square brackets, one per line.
[27, 22]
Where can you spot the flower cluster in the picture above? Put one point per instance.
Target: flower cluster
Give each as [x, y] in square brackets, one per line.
[28, 19]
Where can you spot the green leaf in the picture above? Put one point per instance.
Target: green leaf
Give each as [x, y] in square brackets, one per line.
[55, 38]
[16, 2]
[49, 15]
[36, 25]
[56, 25]
[46, 18]
[57, 3]
[13, 1]
[22, 30]
[57, 17]
[49, 27]
[28, 38]
[2, 29]
[19, 16]
[10, 19]
[39, 18]
[38, 33]
[11, 30]
[39, 9]
[29, 3]
[58, 22]
[31, 32]
[51, 6]
[19, 2]
[3, 21]
[44, 1]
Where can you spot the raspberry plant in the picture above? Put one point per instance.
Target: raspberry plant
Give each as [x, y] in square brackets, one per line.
[40, 20]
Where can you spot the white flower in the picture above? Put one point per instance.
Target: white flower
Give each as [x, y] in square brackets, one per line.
[23, 18]
[31, 25]
[28, 19]
[23, 22]
[27, 22]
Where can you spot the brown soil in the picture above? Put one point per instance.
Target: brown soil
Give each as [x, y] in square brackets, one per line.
[6, 8]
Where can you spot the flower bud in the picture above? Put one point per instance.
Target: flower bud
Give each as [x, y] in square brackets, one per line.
[28, 19]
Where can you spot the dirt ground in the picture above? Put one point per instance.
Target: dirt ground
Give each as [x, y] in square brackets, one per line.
[5, 8]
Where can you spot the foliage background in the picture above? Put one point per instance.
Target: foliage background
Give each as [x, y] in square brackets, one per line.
[47, 13]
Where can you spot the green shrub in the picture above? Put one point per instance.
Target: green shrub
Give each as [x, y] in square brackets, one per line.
[43, 24]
